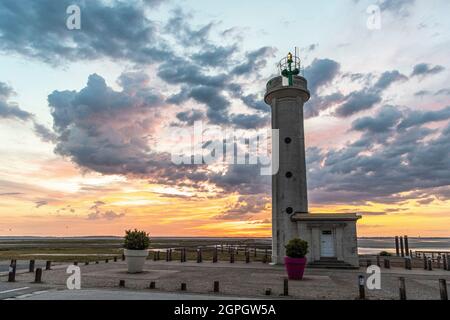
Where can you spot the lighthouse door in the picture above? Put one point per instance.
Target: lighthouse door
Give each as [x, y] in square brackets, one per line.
[327, 244]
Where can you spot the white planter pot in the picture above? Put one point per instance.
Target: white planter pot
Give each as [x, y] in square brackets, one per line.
[135, 260]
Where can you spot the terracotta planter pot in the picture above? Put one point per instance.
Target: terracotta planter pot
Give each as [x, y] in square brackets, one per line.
[135, 260]
[295, 267]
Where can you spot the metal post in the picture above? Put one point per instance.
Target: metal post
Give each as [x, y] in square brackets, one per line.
[408, 263]
[406, 245]
[48, 265]
[430, 264]
[31, 266]
[402, 250]
[362, 287]
[396, 246]
[215, 255]
[38, 276]
[443, 289]
[285, 287]
[216, 286]
[247, 257]
[402, 288]
[387, 263]
[12, 272]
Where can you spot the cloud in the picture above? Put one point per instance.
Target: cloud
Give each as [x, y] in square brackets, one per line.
[394, 157]
[425, 69]
[358, 101]
[321, 72]
[113, 29]
[97, 212]
[245, 206]
[369, 96]
[386, 118]
[399, 7]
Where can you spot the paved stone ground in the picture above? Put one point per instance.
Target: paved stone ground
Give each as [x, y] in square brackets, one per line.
[236, 280]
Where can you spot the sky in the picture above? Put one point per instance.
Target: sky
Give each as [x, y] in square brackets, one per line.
[90, 117]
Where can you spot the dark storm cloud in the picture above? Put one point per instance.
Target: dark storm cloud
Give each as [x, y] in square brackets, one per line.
[415, 118]
[245, 206]
[425, 69]
[386, 118]
[389, 159]
[358, 101]
[250, 121]
[369, 96]
[190, 116]
[400, 7]
[217, 56]
[106, 130]
[388, 78]
[9, 110]
[254, 61]
[117, 30]
[321, 72]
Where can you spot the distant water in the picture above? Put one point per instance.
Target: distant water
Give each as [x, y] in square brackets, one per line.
[375, 245]
[365, 245]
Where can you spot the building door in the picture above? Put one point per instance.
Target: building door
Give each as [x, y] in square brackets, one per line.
[327, 244]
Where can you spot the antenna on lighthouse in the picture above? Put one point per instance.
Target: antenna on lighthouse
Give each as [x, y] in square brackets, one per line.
[290, 67]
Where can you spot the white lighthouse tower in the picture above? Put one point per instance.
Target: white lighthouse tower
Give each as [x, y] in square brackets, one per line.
[331, 237]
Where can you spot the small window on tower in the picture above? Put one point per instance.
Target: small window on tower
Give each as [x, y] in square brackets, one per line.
[289, 210]
[288, 174]
[287, 140]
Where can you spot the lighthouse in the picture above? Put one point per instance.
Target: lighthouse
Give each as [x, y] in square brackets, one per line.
[331, 237]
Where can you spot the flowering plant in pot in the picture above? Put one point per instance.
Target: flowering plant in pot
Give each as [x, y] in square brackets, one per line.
[136, 244]
[295, 260]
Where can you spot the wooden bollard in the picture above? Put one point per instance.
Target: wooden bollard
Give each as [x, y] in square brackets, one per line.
[247, 257]
[410, 253]
[378, 261]
[402, 288]
[405, 238]
[445, 262]
[362, 287]
[285, 287]
[106, 260]
[439, 261]
[154, 255]
[387, 263]
[430, 264]
[96, 262]
[86, 263]
[183, 287]
[152, 285]
[232, 257]
[48, 265]
[123, 257]
[215, 256]
[216, 286]
[397, 250]
[12, 272]
[157, 255]
[38, 275]
[402, 249]
[425, 262]
[254, 252]
[408, 263]
[199, 255]
[443, 289]
[122, 283]
[115, 259]
[167, 255]
[268, 291]
[368, 263]
[31, 266]
[75, 263]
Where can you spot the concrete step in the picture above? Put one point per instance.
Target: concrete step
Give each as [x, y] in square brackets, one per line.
[330, 264]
